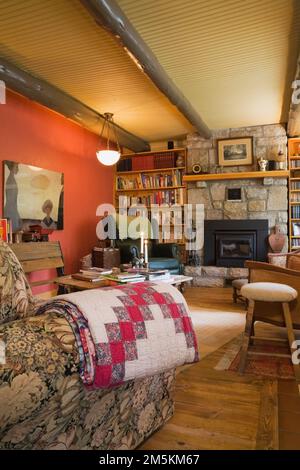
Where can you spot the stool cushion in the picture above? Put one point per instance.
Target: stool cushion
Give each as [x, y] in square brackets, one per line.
[238, 283]
[269, 292]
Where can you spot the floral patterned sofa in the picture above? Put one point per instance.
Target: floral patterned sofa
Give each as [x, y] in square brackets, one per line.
[43, 403]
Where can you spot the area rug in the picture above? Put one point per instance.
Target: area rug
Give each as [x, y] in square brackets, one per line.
[272, 367]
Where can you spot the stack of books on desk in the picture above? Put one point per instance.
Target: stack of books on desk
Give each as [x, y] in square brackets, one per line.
[91, 274]
[87, 277]
[153, 274]
[126, 277]
[158, 275]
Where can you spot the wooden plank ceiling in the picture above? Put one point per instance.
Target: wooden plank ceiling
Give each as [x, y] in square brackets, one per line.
[234, 60]
[58, 41]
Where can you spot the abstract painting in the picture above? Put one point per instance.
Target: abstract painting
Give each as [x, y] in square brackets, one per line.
[33, 196]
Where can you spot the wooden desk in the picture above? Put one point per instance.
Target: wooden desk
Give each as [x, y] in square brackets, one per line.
[72, 285]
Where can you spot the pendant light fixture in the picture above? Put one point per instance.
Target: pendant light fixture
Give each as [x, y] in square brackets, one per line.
[109, 156]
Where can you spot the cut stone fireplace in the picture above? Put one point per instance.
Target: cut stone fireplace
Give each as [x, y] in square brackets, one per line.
[229, 243]
[236, 201]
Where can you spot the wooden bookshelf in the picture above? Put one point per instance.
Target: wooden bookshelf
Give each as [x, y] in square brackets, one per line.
[152, 178]
[294, 191]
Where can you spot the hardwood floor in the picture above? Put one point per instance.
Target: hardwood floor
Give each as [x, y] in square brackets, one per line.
[222, 410]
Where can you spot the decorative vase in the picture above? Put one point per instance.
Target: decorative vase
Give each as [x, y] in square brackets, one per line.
[262, 163]
[276, 240]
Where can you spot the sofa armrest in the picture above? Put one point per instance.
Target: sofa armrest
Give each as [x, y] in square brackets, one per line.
[165, 250]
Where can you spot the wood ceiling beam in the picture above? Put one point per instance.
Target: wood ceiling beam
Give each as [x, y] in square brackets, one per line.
[108, 14]
[293, 129]
[55, 99]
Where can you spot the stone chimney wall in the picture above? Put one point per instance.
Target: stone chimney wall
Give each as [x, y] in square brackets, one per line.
[261, 198]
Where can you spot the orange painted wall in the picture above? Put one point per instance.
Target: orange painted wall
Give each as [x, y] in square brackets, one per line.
[35, 135]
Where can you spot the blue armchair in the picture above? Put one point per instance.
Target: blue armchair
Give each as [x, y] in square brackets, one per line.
[161, 255]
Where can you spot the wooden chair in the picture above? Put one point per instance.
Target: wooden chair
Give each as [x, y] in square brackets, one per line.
[290, 260]
[40, 256]
[272, 312]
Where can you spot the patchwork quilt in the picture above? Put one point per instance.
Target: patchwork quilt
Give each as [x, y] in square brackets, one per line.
[127, 332]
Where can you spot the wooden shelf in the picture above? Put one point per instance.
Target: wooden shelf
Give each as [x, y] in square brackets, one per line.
[237, 176]
[293, 156]
[153, 152]
[163, 188]
[141, 206]
[167, 159]
[157, 170]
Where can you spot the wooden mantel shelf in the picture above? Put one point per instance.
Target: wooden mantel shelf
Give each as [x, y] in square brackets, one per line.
[237, 176]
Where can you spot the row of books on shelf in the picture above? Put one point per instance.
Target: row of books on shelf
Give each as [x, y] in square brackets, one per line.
[296, 242]
[144, 181]
[296, 212]
[295, 184]
[295, 197]
[147, 162]
[295, 164]
[166, 198]
[169, 197]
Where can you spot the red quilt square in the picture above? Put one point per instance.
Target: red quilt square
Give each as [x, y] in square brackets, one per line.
[127, 332]
[117, 352]
[135, 314]
[159, 298]
[138, 299]
[102, 376]
[174, 310]
[187, 327]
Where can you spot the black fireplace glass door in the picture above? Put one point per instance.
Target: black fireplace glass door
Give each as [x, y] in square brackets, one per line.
[234, 247]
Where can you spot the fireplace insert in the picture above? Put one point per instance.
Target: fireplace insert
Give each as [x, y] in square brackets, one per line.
[231, 242]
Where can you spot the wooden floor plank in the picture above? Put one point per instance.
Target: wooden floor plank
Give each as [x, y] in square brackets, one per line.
[221, 409]
[267, 433]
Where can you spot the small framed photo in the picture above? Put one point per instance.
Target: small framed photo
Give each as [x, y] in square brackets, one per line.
[234, 152]
[3, 230]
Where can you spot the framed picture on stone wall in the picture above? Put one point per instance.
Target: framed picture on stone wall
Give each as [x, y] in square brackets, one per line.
[237, 151]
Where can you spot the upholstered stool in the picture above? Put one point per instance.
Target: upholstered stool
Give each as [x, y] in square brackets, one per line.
[237, 284]
[268, 292]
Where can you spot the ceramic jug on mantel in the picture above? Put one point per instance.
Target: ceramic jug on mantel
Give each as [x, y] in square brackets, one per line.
[276, 240]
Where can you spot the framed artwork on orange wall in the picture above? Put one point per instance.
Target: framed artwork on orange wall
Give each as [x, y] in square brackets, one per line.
[32, 196]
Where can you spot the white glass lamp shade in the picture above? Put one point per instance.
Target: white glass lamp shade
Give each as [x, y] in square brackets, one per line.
[108, 157]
